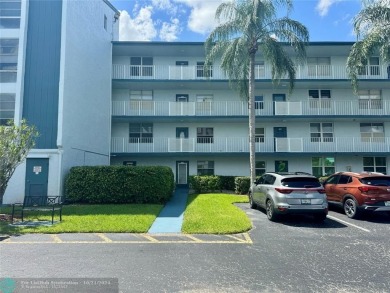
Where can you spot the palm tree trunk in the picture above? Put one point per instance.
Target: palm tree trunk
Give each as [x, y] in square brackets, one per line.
[252, 118]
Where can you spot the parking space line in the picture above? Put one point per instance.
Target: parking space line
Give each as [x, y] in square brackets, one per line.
[348, 224]
[56, 238]
[148, 239]
[104, 237]
[233, 237]
[193, 238]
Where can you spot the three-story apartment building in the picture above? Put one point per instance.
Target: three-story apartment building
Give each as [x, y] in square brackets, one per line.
[167, 109]
[98, 101]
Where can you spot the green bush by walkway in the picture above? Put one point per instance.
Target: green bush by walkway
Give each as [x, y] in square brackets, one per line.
[119, 184]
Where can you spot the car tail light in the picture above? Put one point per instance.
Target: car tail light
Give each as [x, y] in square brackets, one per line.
[368, 188]
[321, 191]
[284, 190]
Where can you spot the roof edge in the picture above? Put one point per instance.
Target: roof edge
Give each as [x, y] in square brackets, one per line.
[111, 6]
[160, 43]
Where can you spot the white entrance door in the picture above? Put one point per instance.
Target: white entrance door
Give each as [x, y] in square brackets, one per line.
[182, 173]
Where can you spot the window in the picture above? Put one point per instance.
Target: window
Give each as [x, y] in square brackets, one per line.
[372, 132]
[259, 102]
[141, 95]
[260, 168]
[181, 97]
[181, 63]
[141, 133]
[8, 59]
[201, 71]
[259, 134]
[318, 66]
[321, 132]
[370, 67]
[10, 14]
[259, 69]
[319, 98]
[205, 135]
[205, 168]
[375, 164]
[204, 103]
[141, 66]
[7, 108]
[105, 22]
[370, 99]
[322, 166]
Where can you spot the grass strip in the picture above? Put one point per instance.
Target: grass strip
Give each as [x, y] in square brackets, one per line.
[130, 218]
[215, 214]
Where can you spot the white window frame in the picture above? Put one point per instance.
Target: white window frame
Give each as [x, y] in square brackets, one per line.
[203, 164]
[326, 170]
[376, 133]
[322, 135]
[375, 167]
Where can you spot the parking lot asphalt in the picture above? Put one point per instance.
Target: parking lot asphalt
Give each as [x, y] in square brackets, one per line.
[293, 255]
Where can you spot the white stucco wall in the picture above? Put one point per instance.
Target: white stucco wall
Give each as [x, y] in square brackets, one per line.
[85, 83]
[16, 186]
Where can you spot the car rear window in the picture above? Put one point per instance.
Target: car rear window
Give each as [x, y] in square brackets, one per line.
[301, 182]
[377, 181]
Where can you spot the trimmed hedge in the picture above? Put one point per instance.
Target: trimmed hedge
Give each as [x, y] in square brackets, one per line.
[204, 184]
[242, 185]
[119, 184]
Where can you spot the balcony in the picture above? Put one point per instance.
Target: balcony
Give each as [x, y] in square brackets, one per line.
[241, 145]
[240, 108]
[167, 72]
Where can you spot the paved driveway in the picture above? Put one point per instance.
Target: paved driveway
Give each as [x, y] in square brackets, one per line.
[339, 255]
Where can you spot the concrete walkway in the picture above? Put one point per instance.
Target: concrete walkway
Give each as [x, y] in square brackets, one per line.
[170, 218]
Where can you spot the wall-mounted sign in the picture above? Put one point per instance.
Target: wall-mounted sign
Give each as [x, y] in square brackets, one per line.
[37, 169]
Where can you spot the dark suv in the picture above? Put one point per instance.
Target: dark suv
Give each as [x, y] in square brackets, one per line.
[289, 193]
[359, 191]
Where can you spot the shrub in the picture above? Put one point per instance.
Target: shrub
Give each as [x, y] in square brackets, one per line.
[242, 185]
[228, 182]
[203, 184]
[119, 184]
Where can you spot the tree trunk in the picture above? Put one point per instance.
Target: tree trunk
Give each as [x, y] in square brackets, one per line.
[252, 118]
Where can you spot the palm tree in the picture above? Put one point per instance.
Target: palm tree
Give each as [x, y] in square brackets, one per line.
[246, 27]
[372, 28]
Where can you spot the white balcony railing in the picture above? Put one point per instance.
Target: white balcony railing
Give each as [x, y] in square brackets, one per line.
[240, 108]
[241, 144]
[167, 72]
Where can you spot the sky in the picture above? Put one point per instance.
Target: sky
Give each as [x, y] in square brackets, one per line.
[192, 20]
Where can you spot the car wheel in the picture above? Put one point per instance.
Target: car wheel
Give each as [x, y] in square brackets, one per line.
[350, 208]
[319, 217]
[251, 202]
[269, 208]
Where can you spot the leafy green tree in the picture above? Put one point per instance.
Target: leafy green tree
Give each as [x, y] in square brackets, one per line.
[372, 28]
[245, 28]
[15, 143]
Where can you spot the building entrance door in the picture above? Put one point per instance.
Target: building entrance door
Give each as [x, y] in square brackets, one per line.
[182, 173]
[37, 175]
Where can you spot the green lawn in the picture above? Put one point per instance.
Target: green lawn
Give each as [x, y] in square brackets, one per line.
[131, 218]
[205, 214]
[215, 214]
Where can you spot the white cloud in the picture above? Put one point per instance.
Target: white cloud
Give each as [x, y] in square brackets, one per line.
[139, 28]
[166, 5]
[202, 15]
[324, 5]
[169, 31]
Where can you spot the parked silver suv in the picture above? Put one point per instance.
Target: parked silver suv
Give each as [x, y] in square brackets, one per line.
[289, 193]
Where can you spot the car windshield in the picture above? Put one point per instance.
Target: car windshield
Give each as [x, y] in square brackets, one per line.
[301, 182]
[377, 181]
